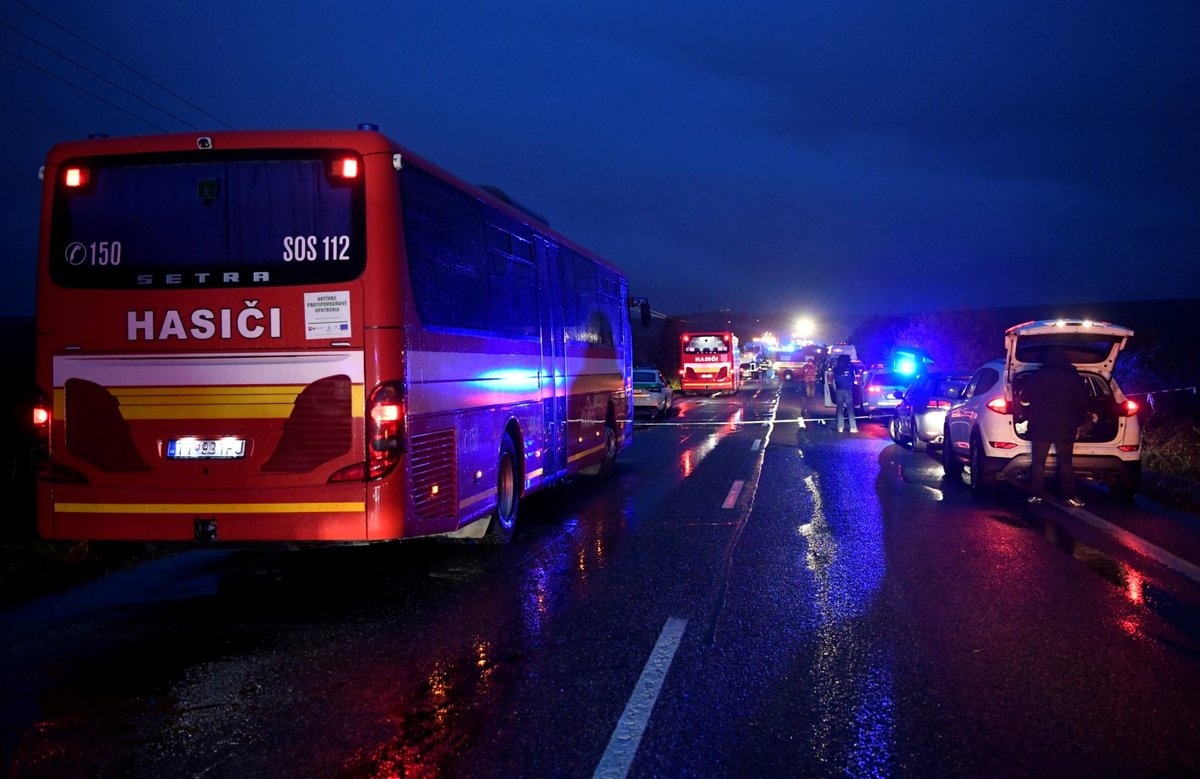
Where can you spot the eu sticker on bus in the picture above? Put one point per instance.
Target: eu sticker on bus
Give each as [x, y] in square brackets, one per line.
[206, 449]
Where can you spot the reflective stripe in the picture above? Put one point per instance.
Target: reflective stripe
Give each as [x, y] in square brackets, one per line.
[209, 508]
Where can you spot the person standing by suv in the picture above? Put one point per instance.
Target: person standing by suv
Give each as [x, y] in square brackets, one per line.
[843, 392]
[1057, 407]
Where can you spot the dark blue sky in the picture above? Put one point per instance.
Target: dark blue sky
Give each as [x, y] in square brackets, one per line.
[836, 157]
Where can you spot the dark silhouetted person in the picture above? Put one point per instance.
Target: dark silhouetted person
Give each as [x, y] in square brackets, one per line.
[1057, 408]
[843, 392]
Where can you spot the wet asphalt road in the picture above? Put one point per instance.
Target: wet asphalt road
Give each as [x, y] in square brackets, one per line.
[844, 611]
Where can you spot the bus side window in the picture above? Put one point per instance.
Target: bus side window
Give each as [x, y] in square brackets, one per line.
[447, 257]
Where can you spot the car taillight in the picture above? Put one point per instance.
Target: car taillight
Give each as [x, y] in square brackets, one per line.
[939, 404]
[1128, 409]
[874, 388]
[999, 405]
[385, 436]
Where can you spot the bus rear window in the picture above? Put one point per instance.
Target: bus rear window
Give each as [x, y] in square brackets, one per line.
[706, 344]
[204, 220]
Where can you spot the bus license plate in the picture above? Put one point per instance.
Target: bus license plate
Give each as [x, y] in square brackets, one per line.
[206, 449]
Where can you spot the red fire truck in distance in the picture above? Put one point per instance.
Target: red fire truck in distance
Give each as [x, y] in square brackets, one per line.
[708, 362]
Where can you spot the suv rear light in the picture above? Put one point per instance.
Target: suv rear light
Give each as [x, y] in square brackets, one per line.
[1128, 447]
[939, 404]
[999, 405]
[385, 436]
[1128, 409]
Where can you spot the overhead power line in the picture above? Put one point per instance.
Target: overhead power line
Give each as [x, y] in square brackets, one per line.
[35, 66]
[130, 68]
[86, 69]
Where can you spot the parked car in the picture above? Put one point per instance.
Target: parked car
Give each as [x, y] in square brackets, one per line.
[985, 430]
[879, 388]
[920, 416]
[651, 392]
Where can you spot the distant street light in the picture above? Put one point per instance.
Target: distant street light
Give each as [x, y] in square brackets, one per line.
[805, 328]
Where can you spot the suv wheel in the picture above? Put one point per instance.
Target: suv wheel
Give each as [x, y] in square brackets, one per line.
[981, 480]
[950, 462]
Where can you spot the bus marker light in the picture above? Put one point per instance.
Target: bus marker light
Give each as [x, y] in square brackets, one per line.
[41, 416]
[75, 177]
[346, 168]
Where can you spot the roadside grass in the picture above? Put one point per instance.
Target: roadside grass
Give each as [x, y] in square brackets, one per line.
[1171, 457]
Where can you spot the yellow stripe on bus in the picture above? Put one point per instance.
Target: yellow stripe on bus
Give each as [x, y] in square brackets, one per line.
[260, 402]
[585, 453]
[476, 498]
[290, 390]
[240, 411]
[209, 508]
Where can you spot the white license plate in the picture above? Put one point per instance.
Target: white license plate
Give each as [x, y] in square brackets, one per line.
[206, 448]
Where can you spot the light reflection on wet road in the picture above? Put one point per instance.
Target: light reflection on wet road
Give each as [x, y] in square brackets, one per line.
[851, 614]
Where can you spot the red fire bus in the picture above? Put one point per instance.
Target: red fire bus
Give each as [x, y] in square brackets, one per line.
[310, 336]
[708, 362]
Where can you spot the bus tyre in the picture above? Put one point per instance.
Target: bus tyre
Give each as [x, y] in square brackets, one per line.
[508, 497]
[609, 465]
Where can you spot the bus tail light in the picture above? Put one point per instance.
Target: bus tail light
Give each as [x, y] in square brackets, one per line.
[43, 416]
[1128, 409]
[999, 405]
[41, 436]
[385, 436]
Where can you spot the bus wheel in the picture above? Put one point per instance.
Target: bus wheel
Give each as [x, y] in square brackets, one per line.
[508, 497]
[609, 466]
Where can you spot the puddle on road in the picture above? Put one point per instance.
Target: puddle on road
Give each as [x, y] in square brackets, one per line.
[1138, 589]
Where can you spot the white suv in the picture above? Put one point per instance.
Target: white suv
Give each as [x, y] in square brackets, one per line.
[985, 429]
